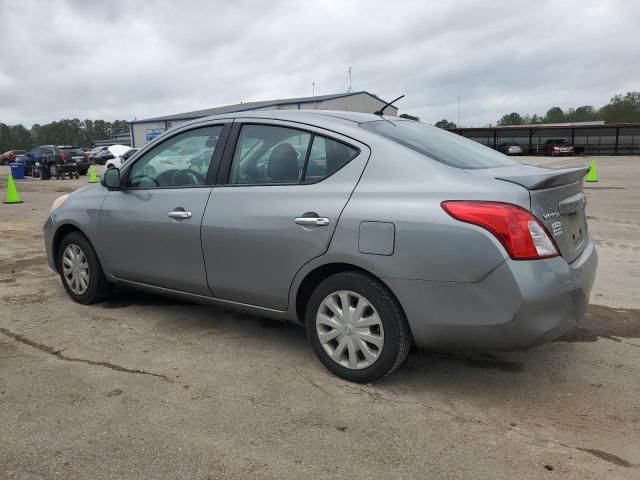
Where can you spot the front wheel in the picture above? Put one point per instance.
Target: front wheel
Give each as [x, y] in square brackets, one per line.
[80, 270]
[357, 328]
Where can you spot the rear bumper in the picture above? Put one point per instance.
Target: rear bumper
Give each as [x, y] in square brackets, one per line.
[519, 305]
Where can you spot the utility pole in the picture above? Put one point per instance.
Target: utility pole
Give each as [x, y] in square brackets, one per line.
[313, 93]
[349, 90]
[459, 108]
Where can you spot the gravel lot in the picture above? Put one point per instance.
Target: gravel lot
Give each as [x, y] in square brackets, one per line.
[147, 387]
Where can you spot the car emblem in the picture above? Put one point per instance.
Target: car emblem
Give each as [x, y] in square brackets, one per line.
[557, 228]
[549, 215]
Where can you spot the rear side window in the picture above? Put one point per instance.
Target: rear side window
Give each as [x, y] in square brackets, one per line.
[326, 157]
[438, 144]
[269, 154]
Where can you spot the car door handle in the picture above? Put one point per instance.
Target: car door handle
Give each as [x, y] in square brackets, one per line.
[179, 214]
[312, 221]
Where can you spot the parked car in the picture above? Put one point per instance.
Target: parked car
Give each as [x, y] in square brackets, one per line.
[9, 157]
[53, 155]
[558, 146]
[75, 155]
[93, 153]
[109, 153]
[119, 160]
[28, 162]
[510, 148]
[406, 234]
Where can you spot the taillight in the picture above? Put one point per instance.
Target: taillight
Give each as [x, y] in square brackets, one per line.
[521, 234]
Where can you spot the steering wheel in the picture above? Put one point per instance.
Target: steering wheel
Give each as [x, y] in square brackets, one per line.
[140, 178]
[187, 176]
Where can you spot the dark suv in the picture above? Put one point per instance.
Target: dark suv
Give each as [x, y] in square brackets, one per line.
[52, 156]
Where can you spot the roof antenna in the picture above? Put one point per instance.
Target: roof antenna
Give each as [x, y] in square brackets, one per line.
[381, 111]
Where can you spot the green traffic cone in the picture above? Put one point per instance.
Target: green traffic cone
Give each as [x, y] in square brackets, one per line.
[92, 174]
[592, 176]
[12, 191]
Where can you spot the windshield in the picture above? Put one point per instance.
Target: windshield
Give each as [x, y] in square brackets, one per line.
[443, 146]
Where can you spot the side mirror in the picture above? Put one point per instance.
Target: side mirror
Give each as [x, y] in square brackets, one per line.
[111, 178]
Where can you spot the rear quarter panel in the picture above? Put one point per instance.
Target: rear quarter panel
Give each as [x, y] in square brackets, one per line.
[405, 188]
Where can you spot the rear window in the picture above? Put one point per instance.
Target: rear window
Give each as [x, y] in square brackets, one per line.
[73, 152]
[438, 144]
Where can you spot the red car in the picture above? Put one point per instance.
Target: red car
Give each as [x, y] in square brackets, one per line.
[558, 146]
[9, 157]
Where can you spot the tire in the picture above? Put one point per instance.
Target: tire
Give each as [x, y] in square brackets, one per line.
[53, 170]
[98, 287]
[392, 334]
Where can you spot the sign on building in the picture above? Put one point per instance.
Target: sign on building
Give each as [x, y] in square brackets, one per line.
[154, 132]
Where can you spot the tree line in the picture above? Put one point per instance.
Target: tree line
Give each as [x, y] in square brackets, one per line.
[620, 109]
[63, 132]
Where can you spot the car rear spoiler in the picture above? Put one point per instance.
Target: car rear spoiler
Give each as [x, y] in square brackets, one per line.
[547, 179]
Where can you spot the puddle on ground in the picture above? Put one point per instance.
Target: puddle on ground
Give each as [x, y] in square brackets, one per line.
[605, 322]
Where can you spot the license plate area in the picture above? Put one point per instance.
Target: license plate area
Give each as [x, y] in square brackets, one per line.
[575, 229]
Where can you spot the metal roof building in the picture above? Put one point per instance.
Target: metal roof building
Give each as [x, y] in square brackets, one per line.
[143, 131]
[588, 138]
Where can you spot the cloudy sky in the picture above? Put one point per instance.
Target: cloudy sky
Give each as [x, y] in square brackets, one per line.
[125, 59]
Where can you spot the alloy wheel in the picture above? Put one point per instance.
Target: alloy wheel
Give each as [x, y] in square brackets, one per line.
[350, 329]
[75, 269]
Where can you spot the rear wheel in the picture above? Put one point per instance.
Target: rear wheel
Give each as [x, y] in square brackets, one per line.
[53, 170]
[80, 270]
[357, 328]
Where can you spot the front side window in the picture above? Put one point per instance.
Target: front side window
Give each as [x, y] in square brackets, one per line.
[180, 161]
[438, 144]
[268, 154]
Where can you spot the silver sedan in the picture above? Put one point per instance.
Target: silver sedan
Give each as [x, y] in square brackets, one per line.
[374, 232]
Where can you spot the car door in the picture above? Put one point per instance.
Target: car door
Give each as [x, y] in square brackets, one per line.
[279, 197]
[150, 229]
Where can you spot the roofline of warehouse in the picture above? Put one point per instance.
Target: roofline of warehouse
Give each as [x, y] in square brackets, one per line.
[257, 105]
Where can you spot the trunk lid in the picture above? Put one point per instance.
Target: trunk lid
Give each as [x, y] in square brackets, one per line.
[557, 200]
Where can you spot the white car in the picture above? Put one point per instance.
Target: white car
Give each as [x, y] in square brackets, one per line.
[120, 159]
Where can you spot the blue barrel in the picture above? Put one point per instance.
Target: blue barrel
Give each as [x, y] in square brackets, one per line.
[17, 171]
